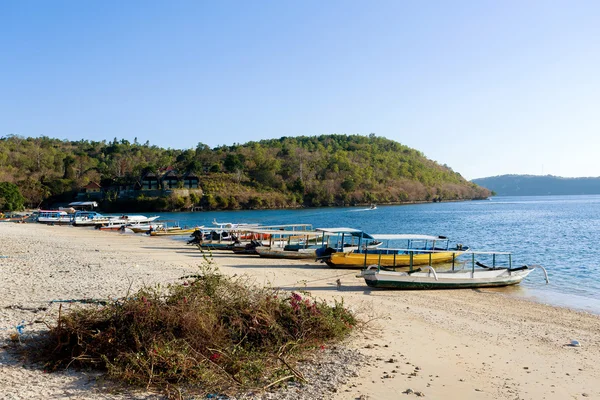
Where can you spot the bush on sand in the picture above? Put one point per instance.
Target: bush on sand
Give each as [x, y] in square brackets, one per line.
[212, 333]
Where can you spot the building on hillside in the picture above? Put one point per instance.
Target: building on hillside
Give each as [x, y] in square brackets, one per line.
[170, 180]
[149, 181]
[92, 187]
[191, 181]
[91, 191]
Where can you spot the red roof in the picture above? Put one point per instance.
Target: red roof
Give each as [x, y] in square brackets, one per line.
[92, 185]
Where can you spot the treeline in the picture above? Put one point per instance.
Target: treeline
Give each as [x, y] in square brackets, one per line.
[322, 170]
[539, 185]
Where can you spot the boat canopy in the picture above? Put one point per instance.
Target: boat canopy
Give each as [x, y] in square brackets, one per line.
[286, 227]
[92, 204]
[284, 233]
[345, 231]
[407, 236]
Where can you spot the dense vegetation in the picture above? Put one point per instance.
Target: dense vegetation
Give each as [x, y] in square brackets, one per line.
[287, 172]
[211, 334]
[10, 197]
[535, 185]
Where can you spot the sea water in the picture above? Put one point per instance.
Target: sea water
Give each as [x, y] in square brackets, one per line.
[561, 233]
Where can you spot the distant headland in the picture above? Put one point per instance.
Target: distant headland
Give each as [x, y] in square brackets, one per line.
[539, 185]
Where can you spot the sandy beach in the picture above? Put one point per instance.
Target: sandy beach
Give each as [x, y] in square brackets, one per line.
[462, 344]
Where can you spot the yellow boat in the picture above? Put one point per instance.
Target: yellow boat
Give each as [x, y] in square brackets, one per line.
[421, 250]
[172, 232]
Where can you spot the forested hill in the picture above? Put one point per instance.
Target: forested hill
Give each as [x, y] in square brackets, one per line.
[536, 185]
[287, 172]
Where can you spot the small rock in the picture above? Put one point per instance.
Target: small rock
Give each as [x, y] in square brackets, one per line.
[419, 394]
[369, 346]
[525, 367]
[585, 394]
[408, 391]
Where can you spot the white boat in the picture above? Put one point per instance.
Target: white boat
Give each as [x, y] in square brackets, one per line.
[59, 217]
[478, 275]
[90, 218]
[93, 218]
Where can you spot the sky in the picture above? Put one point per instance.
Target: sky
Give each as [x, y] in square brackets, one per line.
[485, 87]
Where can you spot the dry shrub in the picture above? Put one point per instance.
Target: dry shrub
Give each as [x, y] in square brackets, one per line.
[213, 333]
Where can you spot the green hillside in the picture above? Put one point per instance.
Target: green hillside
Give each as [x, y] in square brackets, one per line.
[304, 171]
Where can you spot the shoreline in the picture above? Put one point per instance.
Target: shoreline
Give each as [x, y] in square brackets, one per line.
[455, 344]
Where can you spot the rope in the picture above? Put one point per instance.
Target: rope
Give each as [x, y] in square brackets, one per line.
[317, 280]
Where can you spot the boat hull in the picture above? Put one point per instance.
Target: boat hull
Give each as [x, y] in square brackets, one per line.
[445, 280]
[302, 254]
[358, 260]
[172, 232]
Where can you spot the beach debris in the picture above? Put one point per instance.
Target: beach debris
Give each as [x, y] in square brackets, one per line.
[575, 343]
[408, 391]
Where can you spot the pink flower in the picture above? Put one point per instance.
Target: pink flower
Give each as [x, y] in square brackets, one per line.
[214, 357]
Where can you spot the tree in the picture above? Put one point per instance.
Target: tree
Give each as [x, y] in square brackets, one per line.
[11, 198]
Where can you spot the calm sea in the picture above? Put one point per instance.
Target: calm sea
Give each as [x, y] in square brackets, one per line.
[562, 233]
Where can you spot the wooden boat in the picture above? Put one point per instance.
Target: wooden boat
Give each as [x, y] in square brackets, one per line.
[478, 275]
[290, 245]
[343, 240]
[417, 251]
[172, 231]
[278, 252]
[11, 217]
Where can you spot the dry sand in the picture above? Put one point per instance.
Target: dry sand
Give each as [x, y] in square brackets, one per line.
[463, 344]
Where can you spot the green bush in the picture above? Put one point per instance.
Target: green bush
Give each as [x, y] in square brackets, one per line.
[10, 197]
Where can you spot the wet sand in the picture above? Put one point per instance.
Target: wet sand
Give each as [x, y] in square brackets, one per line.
[461, 344]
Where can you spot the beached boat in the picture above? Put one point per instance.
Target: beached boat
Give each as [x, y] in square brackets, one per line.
[477, 275]
[115, 222]
[290, 244]
[416, 251]
[91, 218]
[172, 231]
[58, 217]
[214, 239]
[278, 252]
[10, 217]
[336, 240]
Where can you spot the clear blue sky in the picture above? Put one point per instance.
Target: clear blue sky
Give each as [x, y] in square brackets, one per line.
[486, 87]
